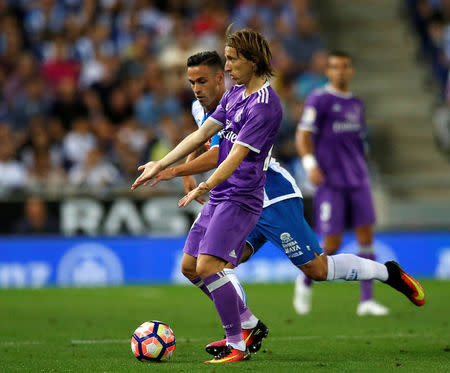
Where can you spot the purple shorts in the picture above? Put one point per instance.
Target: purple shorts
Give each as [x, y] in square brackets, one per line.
[221, 230]
[336, 209]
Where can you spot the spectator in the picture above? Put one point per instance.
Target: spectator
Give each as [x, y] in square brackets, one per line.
[314, 77]
[78, 142]
[69, 104]
[37, 220]
[13, 173]
[59, 65]
[95, 171]
[43, 175]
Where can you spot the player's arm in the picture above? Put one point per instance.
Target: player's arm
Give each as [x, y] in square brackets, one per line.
[189, 144]
[305, 147]
[227, 167]
[205, 162]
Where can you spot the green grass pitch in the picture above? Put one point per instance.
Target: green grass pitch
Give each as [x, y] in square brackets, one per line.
[88, 330]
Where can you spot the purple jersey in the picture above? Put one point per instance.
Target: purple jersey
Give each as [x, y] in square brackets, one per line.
[253, 122]
[337, 121]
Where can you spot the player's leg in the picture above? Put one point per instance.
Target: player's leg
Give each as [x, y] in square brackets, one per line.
[189, 270]
[190, 250]
[253, 329]
[367, 305]
[362, 218]
[285, 226]
[350, 267]
[223, 242]
[329, 218]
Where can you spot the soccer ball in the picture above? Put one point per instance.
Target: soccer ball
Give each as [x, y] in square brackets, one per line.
[153, 341]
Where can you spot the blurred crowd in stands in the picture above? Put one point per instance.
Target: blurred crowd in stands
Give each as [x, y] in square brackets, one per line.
[90, 89]
[431, 20]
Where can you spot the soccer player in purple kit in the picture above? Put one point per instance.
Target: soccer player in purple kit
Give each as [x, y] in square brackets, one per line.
[249, 114]
[281, 220]
[330, 140]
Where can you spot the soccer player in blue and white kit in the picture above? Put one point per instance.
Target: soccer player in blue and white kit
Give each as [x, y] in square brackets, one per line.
[249, 115]
[281, 221]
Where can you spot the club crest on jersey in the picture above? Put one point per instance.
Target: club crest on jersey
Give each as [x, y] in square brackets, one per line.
[238, 115]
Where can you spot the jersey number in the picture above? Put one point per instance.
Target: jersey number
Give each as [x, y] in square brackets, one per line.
[325, 211]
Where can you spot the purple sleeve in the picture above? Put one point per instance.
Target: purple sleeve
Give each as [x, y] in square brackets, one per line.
[219, 115]
[310, 119]
[258, 126]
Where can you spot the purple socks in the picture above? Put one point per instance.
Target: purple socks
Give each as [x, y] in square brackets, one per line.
[228, 305]
[366, 286]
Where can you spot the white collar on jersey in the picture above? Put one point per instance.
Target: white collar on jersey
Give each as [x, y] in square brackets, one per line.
[265, 85]
[335, 92]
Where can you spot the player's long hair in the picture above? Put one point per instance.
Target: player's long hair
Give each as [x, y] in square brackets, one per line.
[252, 45]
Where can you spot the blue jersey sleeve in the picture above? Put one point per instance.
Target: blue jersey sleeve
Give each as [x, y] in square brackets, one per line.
[215, 141]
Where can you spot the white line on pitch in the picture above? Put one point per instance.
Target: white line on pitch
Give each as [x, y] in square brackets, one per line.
[184, 340]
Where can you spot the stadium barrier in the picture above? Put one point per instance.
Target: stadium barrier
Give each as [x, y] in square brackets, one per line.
[101, 261]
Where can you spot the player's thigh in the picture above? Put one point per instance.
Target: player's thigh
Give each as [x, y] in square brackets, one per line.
[287, 229]
[198, 230]
[362, 210]
[329, 210]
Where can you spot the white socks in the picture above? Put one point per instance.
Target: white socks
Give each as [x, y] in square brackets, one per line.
[237, 285]
[252, 321]
[353, 268]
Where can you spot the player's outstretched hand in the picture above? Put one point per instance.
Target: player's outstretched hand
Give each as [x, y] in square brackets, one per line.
[189, 185]
[316, 176]
[149, 171]
[163, 175]
[194, 194]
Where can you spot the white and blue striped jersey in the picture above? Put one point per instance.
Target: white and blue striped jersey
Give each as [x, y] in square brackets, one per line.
[280, 184]
[199, 114]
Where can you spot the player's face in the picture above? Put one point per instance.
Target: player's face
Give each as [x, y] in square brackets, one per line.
[239, 68]
[205, 82]
[340, 72]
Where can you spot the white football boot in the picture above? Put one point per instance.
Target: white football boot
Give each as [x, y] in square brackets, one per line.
[302, 296]
[370, 307]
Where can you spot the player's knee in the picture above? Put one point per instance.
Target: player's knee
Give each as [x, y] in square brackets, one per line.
[317, 269]
[188, 271]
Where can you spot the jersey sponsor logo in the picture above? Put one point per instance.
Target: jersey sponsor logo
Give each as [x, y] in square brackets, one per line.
[339, 127]
[228, 124]
[290, 246]
[352, 117]
[229, 135]
[233, 254]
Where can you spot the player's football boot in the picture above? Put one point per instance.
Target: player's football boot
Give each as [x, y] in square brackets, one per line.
[404, 283]
[252, 338]
[370, 307]
[229, 355]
